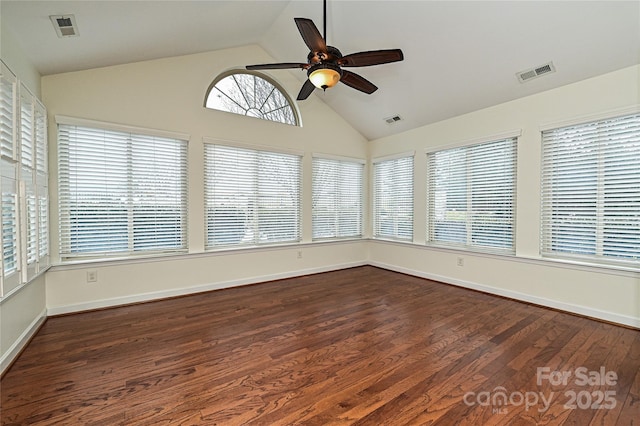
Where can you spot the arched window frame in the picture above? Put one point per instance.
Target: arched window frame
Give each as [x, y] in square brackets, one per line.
[277, 86]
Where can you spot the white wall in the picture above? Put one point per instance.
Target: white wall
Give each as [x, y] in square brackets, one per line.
[608, 294]
[21, 315]
[20, 65]
[22, 312]
[168, 94]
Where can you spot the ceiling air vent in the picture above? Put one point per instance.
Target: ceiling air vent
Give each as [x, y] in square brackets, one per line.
[536, 72]
[65, 25]
[393, 120]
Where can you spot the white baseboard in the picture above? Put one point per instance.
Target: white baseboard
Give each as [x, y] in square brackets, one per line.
[146, 297]
[21, 342]
[567, 307]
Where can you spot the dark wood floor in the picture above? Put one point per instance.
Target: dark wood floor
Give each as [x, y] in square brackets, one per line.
[359, 346]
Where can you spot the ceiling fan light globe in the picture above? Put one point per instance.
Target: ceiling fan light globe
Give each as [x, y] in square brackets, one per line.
[324, 78]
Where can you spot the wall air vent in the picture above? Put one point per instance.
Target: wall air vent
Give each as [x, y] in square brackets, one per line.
[65, 25]
[392, 120]
[535, 72]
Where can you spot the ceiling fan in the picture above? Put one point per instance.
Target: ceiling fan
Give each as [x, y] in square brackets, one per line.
[325, 64]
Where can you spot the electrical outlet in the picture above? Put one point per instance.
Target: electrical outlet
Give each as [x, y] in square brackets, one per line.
[92, 276]
[299, 254]
[460, 261]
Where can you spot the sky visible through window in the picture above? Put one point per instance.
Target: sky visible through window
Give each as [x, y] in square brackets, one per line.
[251, 95]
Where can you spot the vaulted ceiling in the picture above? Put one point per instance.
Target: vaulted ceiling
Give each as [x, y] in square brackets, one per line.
[459, 56]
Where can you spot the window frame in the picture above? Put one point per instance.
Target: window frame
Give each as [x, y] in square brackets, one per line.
[549, 238]
[168, 137]
[210, 200]
[467, 151]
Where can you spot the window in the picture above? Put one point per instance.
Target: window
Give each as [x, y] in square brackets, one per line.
[591, 191]
[393, 198]
[8, 181]
[24, 227]
[121, 192]
[42, 184]
[471, 196]
[27, 175]
[251, 94]
[252, 197]
[337, 198]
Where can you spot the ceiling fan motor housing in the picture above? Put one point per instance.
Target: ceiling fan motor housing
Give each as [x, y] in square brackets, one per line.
[331, 55]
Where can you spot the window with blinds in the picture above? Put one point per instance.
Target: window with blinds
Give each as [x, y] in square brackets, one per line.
[337, 198]
[471, 196]
[393, 198]
[9, 224]
[41, 208]
[252, 197]
[24, 227]
[591, 191]
[8, 104]
[9, 277]
[120, 192]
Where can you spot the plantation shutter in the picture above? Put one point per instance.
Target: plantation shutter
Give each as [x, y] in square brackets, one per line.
[8, 181]
[252, 196]
[7, 112]
[42, 185]
[393, 198]
[24, 226]
[27, 128]
[27, 189]
[471, 196]
[120, 192]
[591, 191]
[337, 198]
[9, 202]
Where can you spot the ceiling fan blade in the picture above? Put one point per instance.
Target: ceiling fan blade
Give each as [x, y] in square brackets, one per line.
[311, 35]
[373, 57]
[281, 66]
[307, 89]
[358, 82]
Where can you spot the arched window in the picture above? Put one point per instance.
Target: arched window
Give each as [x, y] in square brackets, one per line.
[252, 94]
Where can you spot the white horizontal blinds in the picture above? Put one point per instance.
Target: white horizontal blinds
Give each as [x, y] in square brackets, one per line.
[158, 190]
[337, 198]
[120, 193]
[93, 191]
[8, 104]
[471, 196]
[393, 198]
[591, 191]
[252, 197]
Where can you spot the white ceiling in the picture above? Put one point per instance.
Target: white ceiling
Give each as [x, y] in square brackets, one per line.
[459, 56]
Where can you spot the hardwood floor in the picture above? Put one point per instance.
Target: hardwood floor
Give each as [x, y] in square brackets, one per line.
[359, 346]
